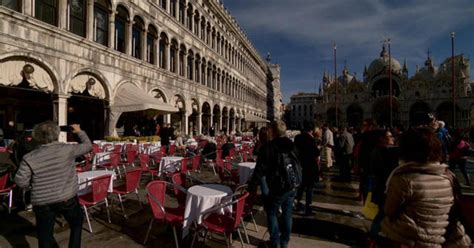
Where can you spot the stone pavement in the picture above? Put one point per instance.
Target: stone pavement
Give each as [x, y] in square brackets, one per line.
[336, 223]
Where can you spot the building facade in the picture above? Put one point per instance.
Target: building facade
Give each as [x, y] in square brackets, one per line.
[301, 109]
[347, 100]
[93, 60]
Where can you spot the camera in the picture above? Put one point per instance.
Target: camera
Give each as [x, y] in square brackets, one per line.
[65, 128]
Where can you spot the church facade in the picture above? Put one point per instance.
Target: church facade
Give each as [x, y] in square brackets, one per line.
[390, 96]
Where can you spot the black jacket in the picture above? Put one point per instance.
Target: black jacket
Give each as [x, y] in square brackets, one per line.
[267, 160]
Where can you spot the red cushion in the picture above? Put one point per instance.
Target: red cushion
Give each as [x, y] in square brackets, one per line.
[219, 223]
[174, 215]
[86, 200]
[121, 189]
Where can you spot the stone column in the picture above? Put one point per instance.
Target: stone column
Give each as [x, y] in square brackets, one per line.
[144, 44]
[62, 16]
[128, 38]
[167, 118]
[90, 20]
[60, 103]
[184, 123]
[28, 7]
[176, 8]
[168, 9]
[228, 126]
[199, 123]
[204, 75]
[185, 63]
[220, 121]
[111, 37]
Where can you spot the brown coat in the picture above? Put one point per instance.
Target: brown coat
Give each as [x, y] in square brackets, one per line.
[419, 198]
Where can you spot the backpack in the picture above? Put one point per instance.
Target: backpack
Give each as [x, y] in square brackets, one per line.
[287, 175]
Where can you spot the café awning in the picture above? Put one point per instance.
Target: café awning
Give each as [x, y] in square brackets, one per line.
[130, 98]
[254, 118]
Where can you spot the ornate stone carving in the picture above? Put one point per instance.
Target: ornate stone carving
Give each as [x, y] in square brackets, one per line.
[13, 73]
[83, 83]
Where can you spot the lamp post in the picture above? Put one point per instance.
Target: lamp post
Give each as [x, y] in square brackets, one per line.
[453, 79]
[335, 82]
[390, 82]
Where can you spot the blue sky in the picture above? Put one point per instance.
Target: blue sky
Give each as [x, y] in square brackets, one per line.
[300, 34]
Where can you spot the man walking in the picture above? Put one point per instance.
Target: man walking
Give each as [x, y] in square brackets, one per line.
[327, 144]
[50, 172]
[268, 166]
[307, 154]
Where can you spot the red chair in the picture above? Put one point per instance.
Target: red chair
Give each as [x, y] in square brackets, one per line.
[85, 165]
[196, 163]
[184, 165]
[179, 179]
[96, 148]
[130, 157]
[98, 195]
[232, 152]
[145, 165]
[112, 163]
[172, 150]
[224, 224]
[132, 182]
[7, 191]
[156, 192]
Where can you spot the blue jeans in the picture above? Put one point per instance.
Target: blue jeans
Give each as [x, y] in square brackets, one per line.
[273, 204]
[46, 217]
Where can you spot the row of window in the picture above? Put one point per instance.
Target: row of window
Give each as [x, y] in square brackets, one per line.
[146, 41]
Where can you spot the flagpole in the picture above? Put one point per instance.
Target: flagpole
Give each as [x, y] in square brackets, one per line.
[390, 81]
[335, 82]
[453, 79]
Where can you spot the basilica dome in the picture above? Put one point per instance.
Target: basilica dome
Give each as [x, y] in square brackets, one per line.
[382, 63]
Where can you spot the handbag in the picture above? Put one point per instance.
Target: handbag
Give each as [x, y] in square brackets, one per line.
[370, 209]
[463, 205]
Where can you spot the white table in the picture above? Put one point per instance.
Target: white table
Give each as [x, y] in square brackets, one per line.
[245, 171]
[169, 164]
[84, 176]
[201, 198]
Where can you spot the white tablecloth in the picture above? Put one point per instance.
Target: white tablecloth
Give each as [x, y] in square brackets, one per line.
[201, 198]
[84, 176]
[245, 171]
[169, 164]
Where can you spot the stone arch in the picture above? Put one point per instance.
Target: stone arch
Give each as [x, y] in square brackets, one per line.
[123, 82]
[381, 111]
[354, 115]
[418, 113]
[92, 73]
[159, 94]
[444, 112]
[44, 78]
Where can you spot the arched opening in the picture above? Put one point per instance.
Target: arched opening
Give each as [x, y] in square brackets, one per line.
[355, 115]
[101, 19]
[331, 117]
[418, 113]
[197, 67]
[231, 120]
[177, 119]
[151, 38]
[206, 118]
[381, 110]
[137, 30]
[26, 95]
[121, 23]
[216, 116]
[163, 51]
[77, 17]
[382, 88]
[87, 104]
[173, 56]
[190, 65]
[444, 112]
[193, 117]
[225, 119]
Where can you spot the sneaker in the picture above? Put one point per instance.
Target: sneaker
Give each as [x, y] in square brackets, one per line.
[29, 208]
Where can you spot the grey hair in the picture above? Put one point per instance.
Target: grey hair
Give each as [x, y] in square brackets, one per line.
[278, 128]
[441, 124]
[46, 132]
